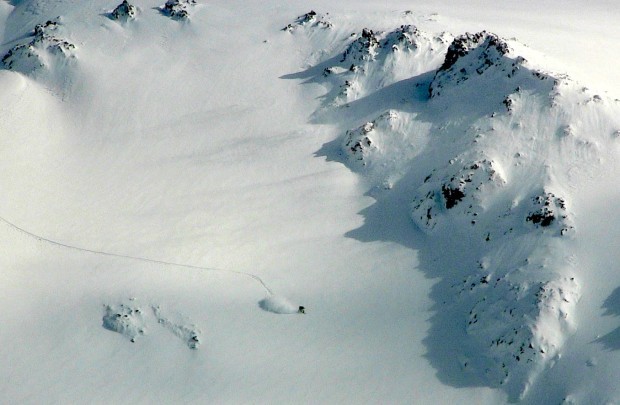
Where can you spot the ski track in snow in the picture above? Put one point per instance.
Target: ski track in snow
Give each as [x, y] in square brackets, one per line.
[142, 259]
[467, 173]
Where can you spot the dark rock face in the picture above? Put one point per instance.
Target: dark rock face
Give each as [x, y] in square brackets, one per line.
[470, 55]
[310, 19]
[547, 209]
[124, 11]
[463, 44]
[452, 196]
[362, 49]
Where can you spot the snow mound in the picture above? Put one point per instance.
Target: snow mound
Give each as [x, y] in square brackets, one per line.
[178, 9]
[187, 332]
[124, 11]
[131, 321]
[309, 20]
[128, 320]
[46, 50]
[278, 305]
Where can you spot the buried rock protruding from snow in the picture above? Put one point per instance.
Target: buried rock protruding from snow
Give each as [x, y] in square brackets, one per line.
[310, 19]
[189, 333]
[124, 11]
[45, 50]
[177, 9]
[548, 210]
[128, 320]
[131, 321]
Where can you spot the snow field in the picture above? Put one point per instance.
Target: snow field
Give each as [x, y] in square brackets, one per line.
[196, 142]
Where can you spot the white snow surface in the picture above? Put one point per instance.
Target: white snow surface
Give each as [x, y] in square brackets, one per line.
[180, 183]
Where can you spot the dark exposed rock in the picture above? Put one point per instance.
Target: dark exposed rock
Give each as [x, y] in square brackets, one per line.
[451, 195]
[463, 44]
[470, 55]
[548, 208]
[310, 19]
[178, 9]
[124, 11]
[363, 48]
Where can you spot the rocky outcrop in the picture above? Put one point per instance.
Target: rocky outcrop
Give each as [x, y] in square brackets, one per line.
[482, 143]
[309, 20]
[124, 11]
[178, 9]
[45, 50]
[472, 55]
[457, 185]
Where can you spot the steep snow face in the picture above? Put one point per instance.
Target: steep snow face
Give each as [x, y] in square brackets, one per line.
[498, 138]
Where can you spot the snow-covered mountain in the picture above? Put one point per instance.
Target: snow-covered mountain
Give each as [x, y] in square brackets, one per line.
[182, 177]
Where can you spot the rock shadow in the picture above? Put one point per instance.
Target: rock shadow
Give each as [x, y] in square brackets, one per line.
[611, 341]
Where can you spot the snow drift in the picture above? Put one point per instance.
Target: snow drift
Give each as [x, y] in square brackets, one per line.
[278, 305]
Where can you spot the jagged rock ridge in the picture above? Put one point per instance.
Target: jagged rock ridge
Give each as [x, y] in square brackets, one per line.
[373, 60]
[480, 111]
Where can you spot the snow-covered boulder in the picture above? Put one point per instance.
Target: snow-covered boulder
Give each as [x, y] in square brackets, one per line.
[178, 9]
[46, 50]
[124, 11]
[128, 320]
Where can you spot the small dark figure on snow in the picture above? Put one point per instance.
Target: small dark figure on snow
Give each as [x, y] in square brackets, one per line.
[302, 310]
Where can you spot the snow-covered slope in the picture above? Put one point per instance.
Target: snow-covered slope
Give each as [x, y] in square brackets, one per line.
[168, 205]
[490, 138]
